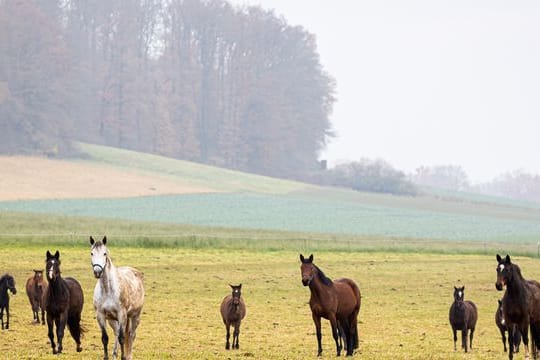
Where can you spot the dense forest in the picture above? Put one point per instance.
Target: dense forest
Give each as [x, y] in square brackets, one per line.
[199, 80]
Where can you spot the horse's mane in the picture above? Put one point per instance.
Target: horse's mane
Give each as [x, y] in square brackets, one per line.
[523, 283]
[325, 279]
[5, 277]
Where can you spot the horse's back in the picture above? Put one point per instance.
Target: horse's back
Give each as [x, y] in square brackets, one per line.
[76, 296]
[349, 298]
[473, 313]
[534, 290]
[132, 288]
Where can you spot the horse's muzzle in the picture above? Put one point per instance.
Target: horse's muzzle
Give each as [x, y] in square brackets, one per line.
[498, 286]
[306, 282]
[98, 270]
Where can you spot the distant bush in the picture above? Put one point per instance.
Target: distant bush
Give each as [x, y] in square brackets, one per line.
[371, 176]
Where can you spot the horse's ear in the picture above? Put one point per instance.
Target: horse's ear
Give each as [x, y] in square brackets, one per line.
[240, 286]
[104, 241]
[301, 258]
[507, 259]
[49, 255]
[92, 241]
[499, 259]
[57, 254]
[311, 258]
[463, 288]
[455, 288]
[499, 301]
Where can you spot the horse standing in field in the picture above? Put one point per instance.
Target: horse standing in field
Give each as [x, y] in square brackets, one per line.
[233, 310]
[63, 300]
[34, 289]
[7, 282]
[503, 328]
[463, 316]
[118, 298]
[521, 304]
[338, 301]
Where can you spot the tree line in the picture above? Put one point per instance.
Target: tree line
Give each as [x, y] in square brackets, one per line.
[199, 80]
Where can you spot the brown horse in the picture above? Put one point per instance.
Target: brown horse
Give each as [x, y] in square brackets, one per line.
[521, 304]
[463, 316]
[338, 301]
[34, 289]
[233, 310]
[503, 328]
[64, 301]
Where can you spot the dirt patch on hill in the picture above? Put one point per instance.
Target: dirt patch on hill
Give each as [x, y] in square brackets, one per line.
[24, 178]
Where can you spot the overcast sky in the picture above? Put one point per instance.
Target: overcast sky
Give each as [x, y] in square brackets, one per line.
[429, 82]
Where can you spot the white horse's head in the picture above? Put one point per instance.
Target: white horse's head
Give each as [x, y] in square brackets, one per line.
[99, 255]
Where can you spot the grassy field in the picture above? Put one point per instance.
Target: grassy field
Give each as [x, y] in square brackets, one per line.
[406, 254]
[404, 314]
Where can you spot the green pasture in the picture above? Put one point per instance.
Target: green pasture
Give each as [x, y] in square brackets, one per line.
[299, 213]
[404, 314]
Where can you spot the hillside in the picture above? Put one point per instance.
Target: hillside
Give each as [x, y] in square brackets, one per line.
[105, 172]
[119, 184]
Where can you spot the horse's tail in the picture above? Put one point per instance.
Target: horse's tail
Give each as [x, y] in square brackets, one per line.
[354, 317]
[75, 328]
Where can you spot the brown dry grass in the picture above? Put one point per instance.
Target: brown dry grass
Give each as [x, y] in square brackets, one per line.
[25, 178]
[404, 315]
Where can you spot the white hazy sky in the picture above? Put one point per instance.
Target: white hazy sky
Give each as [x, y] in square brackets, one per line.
[429, 82]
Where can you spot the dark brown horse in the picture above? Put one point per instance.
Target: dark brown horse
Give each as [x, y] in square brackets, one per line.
[503, 328]
[337, 301]
[64, 301]
[7, 282]
[233, 310]
[521, 303]
[35, 285]
[463, 316]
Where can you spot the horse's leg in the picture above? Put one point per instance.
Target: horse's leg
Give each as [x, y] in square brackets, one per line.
[104, 337]
[42, 316]
[50, 325]
[236, 335]
[470, 338]
[317, 321]
[464, 338]
[60, 327]
[454, 332]
[7, 316]
[114, 325]
[2, 316]
[534, 340]
[503, 337]
[333, 323]
[122, 318]
[228, 335]
[525, 333]
[133, 323]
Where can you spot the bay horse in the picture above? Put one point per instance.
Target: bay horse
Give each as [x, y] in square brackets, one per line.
[502, 325]
[337, 301]
[34, 289]
[118, 299]
[63, 300]
[7, 282]
[463, 316]
[521, 304]
[233, 310]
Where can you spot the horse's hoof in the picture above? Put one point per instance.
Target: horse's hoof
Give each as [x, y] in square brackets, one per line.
[79, 348]
[54, 352]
